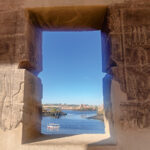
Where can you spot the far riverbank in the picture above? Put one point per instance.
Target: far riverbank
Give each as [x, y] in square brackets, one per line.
[97, 117]
[57, 111]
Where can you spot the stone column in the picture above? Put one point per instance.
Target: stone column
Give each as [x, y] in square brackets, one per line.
[129, 66]
[20, 62]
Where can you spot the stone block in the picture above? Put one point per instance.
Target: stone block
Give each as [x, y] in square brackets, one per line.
[13, 49]
[136, 17]
[18, 49]
[8, 5]
[114, 19]
[11, 97]
[7, 50]
[32, 107]
[117, 54]
[16, 21]
[130, 48]
[137, 56]
[135, 115]
[33, 48]
[134, 81]
[20, 101]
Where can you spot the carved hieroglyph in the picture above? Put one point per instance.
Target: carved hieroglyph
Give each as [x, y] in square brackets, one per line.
[135, 114]
[17, 41]
[130, 39]
[20, 99]
[11, 94]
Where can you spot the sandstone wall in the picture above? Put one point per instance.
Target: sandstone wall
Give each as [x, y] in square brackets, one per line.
[11, 93]
[130, 60]
[128, 63]
[20, 102]
[126, 60]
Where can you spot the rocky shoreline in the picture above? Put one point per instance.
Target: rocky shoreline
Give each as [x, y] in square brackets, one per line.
[97, 117]
[55, 115]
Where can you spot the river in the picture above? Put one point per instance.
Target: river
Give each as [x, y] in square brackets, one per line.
[75, 122]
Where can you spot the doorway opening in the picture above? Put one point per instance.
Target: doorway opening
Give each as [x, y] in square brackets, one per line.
[72, 83]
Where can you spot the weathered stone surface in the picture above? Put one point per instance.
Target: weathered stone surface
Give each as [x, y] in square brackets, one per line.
[17, 41]
[15, 22]
[11, 97]
[28, 55]
[20, 101]
[68, 3]
[79, 18]
[32, 107]
[7, 5]
[129, 31]
[135, 83]
[114, 21]
[135, 115]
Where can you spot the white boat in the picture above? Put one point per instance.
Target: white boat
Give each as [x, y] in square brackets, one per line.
[53, 126]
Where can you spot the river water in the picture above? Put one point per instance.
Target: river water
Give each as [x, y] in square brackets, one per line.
[75, 122]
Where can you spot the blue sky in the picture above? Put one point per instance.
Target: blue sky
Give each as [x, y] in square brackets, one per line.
[72, 67]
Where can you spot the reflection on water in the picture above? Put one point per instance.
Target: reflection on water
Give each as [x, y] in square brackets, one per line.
[75, 122]
[52, 129]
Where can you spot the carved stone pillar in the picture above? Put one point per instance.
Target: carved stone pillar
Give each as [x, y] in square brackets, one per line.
[130, 32]
[20, 101]
[20, 62]
[129, 65]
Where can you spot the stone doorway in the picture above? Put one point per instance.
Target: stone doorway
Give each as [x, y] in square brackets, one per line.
[126, 54]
